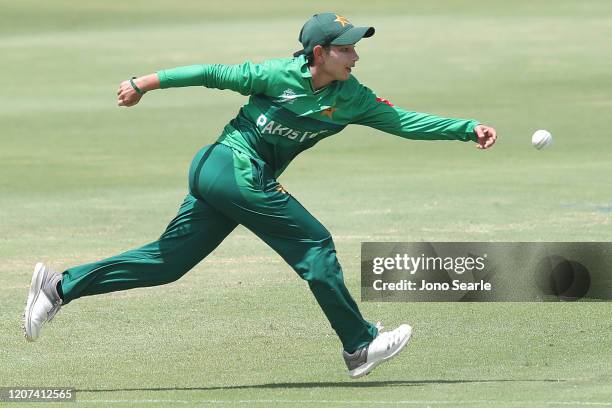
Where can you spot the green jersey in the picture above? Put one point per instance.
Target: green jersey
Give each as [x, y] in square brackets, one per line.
[285, 115]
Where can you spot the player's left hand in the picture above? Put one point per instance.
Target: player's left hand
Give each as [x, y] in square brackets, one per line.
[486, 136]
[127, 95]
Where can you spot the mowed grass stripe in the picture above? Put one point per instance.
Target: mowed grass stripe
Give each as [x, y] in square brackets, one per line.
[521, 403]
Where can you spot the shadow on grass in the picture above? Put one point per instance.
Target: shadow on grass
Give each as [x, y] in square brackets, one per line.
[355, 384]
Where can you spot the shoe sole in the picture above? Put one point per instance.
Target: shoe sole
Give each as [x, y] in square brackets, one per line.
[35, 289]
[368, 368]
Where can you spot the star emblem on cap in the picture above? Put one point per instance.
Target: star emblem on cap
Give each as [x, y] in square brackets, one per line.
[329, 112]
[342, 20]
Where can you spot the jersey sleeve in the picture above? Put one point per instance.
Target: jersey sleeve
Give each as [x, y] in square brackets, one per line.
[247, 78]
[383, 115]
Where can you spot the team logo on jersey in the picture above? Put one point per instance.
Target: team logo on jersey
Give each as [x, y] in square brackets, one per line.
[288, 96]
[342, 20]
[385, 101]
[329, 111]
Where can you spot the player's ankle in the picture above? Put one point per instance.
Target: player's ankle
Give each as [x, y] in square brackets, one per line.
[59, 290]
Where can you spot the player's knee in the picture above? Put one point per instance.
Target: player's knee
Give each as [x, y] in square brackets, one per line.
[163, 276]
[168, 277]
[321, 264]
[168, 270]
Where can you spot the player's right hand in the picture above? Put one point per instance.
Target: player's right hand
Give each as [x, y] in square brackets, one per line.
[126, 95]
[486, 136]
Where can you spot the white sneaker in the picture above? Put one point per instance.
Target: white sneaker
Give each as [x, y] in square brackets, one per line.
[384, 347]
[43, 301]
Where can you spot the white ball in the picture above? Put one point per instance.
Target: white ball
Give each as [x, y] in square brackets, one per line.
[541, 139]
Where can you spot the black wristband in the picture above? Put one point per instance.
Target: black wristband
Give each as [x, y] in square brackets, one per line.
[137, 89]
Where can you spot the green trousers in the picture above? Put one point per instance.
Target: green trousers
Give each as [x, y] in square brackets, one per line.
[228, 188]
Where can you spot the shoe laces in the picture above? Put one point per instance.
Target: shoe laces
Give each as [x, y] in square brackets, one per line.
[54, 309]
[52, 294]
[391, 338]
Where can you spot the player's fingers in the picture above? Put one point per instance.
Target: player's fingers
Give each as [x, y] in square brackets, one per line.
[479, 130]
[131, 102]
[490, 142]
[124, 87]
[492, 133]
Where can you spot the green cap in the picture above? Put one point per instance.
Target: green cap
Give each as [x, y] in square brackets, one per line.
[330, 28]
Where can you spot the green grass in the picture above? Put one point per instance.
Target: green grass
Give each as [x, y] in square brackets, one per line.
[81, 179]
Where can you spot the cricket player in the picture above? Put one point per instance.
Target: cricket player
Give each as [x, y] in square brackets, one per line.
[293, 104]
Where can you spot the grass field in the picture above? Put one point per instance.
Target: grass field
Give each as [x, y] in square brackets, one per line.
[81, 179]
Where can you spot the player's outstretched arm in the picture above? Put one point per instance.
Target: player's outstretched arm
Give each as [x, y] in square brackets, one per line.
[381, 114]
[130, 91]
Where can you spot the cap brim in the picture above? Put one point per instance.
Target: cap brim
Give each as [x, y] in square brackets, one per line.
[298, 53]
[352, 35]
